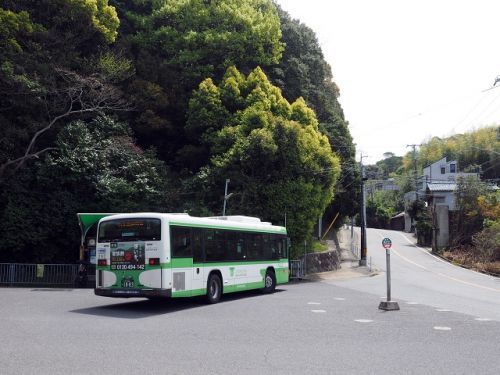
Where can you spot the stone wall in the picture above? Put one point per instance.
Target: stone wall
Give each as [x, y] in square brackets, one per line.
[322, 262]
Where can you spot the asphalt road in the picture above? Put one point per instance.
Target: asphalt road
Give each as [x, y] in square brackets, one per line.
[303, 328]
[420, 277]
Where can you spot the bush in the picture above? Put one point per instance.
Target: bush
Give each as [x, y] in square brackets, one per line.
[487, 244]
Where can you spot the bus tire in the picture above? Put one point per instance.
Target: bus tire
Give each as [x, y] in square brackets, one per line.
[214, 288]
[269, 282]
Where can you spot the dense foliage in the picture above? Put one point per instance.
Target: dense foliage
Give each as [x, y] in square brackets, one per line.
[475, 151]
[111, 105]
[273, 151]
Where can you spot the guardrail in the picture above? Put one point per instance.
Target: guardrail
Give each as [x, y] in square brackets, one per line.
[21, 274]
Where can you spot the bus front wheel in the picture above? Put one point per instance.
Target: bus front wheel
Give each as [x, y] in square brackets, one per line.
[214, 288]
[269, 282]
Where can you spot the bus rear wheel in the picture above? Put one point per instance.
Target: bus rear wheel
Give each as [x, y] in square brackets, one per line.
[269, 282]
[214, 288]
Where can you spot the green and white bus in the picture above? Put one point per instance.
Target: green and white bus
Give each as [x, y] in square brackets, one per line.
[177, 255]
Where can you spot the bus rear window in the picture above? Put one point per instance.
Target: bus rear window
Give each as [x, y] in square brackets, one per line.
[123, 230]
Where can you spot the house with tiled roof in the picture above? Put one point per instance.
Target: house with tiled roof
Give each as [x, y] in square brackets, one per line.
[437, 187]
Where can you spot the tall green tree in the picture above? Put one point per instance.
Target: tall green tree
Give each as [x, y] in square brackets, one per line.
[272, 151]
[44, 46]
[95, 167]
[176, 44]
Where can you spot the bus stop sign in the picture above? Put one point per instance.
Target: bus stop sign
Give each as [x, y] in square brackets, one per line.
[386, 243]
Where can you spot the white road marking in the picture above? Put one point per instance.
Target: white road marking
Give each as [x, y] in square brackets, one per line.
[438, 273]
[314, 303]
[412, 303]
[483, 319]
[318, 311]
[443, 310]
[339, 299]
[401, 256]
[363, 320]
[438, 328]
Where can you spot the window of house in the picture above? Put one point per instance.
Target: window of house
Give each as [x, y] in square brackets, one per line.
[452, 168]
[443, 170]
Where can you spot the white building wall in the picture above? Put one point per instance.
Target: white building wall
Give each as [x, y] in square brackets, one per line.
[434, 172]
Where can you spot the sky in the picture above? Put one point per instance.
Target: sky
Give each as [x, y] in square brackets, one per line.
[408, 70]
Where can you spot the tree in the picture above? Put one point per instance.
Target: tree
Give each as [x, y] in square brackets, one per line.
[476, 151]
[469, 219]
[96, 167]
[46, 47]
[175, 45]
[273, 151]
[77, 95]
[487, 242]
[389, 165]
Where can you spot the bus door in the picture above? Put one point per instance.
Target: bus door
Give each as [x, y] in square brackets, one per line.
[199, 283]
[182, 260]
[216, 256]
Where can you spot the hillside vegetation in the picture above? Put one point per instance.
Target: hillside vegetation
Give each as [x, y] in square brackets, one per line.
[123, 106]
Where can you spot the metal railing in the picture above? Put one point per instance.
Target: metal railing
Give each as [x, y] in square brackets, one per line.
[297, 269]
[20, 274]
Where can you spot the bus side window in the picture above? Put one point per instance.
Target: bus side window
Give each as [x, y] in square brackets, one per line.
[196, 236]
[215, 244]
[268, 246]
[181, 242]
[254, 246]
[277, 246]
[235, 249]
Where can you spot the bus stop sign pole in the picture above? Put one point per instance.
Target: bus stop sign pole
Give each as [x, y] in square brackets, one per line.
[388, 305]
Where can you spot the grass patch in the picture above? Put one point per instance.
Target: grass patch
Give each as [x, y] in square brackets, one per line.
[319, 246]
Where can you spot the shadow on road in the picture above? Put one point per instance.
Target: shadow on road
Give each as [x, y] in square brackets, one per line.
[138, 309]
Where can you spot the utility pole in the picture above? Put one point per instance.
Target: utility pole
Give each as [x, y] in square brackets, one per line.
[362, 260]
[414, 146]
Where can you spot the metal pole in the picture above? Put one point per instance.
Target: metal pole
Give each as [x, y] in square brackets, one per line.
[362, 260]
[388, 266]
[305, 257]
[225, 198]
[388, 305]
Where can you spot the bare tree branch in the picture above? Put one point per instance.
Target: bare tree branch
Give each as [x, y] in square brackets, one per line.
[76, 96]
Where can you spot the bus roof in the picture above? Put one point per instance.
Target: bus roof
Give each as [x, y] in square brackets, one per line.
[223, 222]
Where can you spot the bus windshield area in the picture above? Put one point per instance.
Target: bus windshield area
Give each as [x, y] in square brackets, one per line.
[128, 230]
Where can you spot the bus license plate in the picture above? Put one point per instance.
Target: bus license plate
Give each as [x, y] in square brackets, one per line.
[127, 283]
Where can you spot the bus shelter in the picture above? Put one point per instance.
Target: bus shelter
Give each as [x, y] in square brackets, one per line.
[88, 226]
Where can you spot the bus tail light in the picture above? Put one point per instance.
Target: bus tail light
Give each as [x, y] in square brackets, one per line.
[102, 262]
[154, 261]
